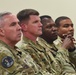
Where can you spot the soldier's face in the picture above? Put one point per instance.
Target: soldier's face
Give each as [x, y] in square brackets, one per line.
[11, 29]
[34, 26]
[49, 29]
[66, 27]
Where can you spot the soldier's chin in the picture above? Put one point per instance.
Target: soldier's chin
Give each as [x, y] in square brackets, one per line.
[54, 38]
[18, 40]
[40, 33]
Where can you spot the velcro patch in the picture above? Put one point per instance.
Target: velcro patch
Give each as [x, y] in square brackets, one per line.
[7, 61]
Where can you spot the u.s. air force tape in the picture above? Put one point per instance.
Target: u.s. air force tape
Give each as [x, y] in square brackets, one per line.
[7, 61]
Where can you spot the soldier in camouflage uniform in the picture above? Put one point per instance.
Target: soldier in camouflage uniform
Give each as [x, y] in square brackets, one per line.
[65, 29]
[12, 60]
[59, 51]
[32, 28]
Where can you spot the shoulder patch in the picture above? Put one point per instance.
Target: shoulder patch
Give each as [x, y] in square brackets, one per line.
[7, 61]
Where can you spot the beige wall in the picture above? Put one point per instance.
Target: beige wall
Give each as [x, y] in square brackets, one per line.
[55, 8]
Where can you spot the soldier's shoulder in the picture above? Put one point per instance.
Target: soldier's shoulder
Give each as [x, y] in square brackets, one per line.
[26, 46]
[4, 50]
[6, 60]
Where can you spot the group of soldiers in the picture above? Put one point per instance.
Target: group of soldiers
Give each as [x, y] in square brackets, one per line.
[47, 47]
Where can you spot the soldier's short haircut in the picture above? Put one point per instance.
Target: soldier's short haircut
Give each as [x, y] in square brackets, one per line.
[59, 19]
[2, 14]
[43, 17]
[24, 14]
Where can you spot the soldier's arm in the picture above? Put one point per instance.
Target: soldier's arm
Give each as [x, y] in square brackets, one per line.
[67, 67]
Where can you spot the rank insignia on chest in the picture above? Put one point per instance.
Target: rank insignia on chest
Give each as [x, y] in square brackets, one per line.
[7, 61]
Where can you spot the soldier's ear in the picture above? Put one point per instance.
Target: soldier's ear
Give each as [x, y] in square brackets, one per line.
[24, 27]
[1, 32]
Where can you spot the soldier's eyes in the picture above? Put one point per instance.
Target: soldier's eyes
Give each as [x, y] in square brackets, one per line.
[67, 25]
[13, 24]
[49, 27]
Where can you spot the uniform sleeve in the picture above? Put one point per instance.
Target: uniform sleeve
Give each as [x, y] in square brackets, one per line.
[67, 67]
[72, 56]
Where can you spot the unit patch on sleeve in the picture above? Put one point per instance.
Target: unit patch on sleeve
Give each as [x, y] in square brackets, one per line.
[7, 62]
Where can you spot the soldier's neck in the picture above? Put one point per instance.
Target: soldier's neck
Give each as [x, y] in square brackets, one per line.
[31, 37]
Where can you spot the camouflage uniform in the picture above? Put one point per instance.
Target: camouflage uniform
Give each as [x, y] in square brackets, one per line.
[43, 59]
[15, 62]
[63, 57]
[70, 54]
